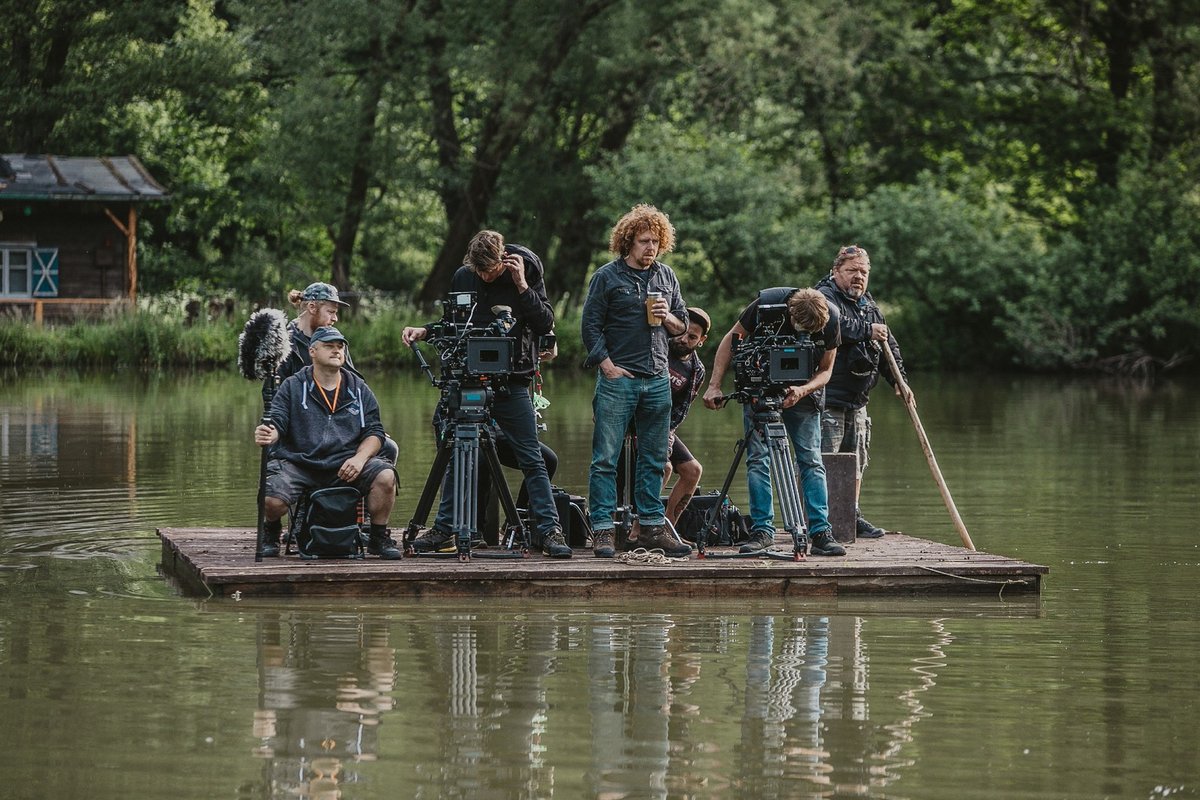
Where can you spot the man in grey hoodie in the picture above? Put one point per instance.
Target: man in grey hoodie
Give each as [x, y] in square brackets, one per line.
[325, 427]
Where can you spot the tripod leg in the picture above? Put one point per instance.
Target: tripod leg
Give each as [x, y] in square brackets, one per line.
[466, 488]
[786, 480]
[432, 485]
[512, 516]
[625, 489]
[709, 526]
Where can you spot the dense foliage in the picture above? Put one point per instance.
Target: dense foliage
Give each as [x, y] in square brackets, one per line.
[1023, 171]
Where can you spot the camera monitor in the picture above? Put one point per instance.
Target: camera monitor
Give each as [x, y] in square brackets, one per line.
[457, 306]
[489, 355]
[790, 365]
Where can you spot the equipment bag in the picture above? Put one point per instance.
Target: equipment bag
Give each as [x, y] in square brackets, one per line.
[731, 525]
[573, 517]
[326, 524]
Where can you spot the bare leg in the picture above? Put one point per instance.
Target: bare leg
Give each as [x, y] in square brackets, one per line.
[685, 487]
[382, 497]
[273, 508]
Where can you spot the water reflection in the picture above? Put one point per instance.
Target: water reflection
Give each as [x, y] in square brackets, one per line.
[114, 687]
[609, 705]
[324, 684]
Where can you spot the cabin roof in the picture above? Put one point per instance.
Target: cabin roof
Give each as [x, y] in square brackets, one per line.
[105, 178]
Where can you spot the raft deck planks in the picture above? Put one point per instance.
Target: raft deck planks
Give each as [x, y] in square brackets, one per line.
[220, 561]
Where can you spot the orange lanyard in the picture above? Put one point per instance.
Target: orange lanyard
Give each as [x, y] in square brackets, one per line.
[336, 391]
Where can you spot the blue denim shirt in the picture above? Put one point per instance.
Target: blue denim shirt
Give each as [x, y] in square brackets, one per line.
[614, 317]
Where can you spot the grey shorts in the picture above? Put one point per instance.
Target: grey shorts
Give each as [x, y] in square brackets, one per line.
[287, 480]
[847, 430]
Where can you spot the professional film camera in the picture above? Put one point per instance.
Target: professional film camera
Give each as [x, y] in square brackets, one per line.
[470, 350]
[774, 357]
[475, 359]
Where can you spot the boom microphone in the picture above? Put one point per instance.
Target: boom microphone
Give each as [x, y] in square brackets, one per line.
[263, 344]
[262, 347]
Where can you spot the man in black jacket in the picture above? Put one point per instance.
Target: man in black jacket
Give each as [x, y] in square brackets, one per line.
[511, 276]
[325, 427]
[845, 426]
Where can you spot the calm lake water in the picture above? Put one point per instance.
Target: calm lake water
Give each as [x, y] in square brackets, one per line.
[113, 685]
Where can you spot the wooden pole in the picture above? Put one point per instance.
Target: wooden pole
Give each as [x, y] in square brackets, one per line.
[911, 405]
[131, 265]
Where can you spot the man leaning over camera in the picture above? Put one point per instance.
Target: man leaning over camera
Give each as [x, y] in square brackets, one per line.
[808, 312]
[511, 276]
[845, 426]
[633, 306]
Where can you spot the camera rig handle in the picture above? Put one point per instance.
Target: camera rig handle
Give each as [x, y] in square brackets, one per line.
[423, 363]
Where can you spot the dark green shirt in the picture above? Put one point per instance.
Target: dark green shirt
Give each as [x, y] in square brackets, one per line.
[614, 317]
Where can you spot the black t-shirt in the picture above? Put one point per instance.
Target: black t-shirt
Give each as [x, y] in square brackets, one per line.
[686, 375]
[828, 339]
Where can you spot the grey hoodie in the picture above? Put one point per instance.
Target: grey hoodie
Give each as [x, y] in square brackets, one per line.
[312, 437]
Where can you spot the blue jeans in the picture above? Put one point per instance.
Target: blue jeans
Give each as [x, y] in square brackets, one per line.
[514, 414]
[804, 429]
[647, 403]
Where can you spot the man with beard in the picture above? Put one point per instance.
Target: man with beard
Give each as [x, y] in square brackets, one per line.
[633, 307]
[845, 426]
[687, 376]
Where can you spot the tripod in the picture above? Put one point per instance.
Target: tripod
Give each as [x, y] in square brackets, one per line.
[469, 432]
[767, 422]
[625, 513]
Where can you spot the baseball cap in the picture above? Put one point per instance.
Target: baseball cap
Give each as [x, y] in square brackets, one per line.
[322, 291]
[700, 317]
[326, 333]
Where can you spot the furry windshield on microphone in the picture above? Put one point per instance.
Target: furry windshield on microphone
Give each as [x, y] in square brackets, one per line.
[264, 344]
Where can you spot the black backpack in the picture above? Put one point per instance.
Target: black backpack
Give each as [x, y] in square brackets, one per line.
[325, 524]
[731, 525]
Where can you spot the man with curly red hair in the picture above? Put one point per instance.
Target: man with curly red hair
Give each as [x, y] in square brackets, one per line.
[633, 307]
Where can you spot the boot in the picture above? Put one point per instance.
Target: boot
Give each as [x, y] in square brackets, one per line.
[271, 532]
[864, 529]
[554, 545]
[823, 544]
[759, 540]
[602, 544]
[657, 537]
[382, 544]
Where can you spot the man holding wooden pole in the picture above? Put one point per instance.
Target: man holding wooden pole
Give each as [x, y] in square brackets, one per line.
[845, 426]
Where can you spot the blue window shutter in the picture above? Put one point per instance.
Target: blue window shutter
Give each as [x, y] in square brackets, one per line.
[45, 273]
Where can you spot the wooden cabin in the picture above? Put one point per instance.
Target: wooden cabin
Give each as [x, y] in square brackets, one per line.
[68, 233]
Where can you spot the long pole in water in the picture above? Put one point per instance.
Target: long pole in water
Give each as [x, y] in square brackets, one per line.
[911, 405]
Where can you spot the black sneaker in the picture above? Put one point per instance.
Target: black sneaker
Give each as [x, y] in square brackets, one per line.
[432, 541]
[865, 530]
[384, 546]
[823, 544]
[602, 544]
[759, 540]
[656, 537]
[554, 545]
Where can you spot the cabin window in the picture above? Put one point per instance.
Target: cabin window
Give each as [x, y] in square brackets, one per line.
[15, 271]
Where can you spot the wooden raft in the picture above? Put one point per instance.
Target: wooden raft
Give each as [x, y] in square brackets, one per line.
[220, 562]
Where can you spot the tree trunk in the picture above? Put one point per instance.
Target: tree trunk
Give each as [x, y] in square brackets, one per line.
[578, 233]
[360, 173]
[508, 116]
[1120, 42]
